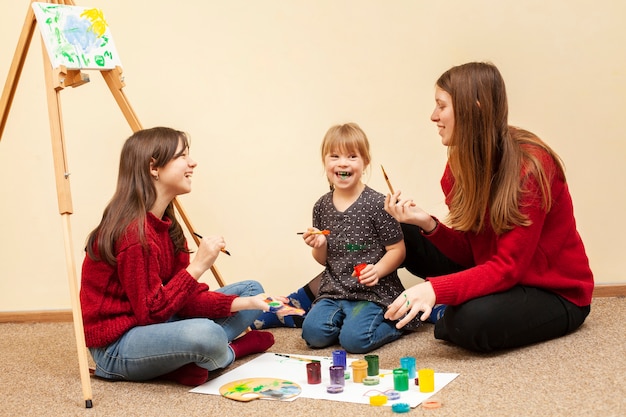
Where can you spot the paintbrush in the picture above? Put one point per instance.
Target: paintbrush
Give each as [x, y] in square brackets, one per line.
[319, 232]
[298, 358]
[387, 180]
[221, 250]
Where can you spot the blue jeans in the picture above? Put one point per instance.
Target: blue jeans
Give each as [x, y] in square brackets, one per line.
[358, 326]
[146, 352]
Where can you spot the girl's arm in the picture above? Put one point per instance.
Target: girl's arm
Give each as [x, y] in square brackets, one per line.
[391, 260]
[320, 254]
[255, 302]
[318, 243]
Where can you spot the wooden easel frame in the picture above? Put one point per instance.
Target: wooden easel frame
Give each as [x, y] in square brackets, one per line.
[56, 80]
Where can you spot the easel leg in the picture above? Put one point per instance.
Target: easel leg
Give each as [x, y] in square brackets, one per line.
[79, 330]
[16, 67]
[65, 209]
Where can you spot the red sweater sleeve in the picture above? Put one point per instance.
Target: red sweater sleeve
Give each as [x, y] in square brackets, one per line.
[155, 297]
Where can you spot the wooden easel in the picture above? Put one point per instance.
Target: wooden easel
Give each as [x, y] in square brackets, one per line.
[56, 80]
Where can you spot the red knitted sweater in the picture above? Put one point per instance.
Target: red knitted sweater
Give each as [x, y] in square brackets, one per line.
[147, 286]
[548, 254]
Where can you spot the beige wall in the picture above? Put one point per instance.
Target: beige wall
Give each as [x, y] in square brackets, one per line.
[258, 83]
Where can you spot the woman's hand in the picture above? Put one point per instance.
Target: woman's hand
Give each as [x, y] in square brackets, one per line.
[405, 211]
[418, 298]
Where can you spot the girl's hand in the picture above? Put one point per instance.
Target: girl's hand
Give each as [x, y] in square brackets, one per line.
[368, 276]
[255, 302]
[418, 298]
[208, 250]
[280, 298]
[312, 239]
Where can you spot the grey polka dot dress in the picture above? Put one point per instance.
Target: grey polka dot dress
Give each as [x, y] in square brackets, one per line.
[357, 235]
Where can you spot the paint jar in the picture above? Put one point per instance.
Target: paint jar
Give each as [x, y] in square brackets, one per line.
[408, 363]
[359, 370]
[372, 365]
[339, 358]
[337, 375]
[401, 408]
[371, 380]
[378, 400]
[426, 380]
[334, 389]
[400, 379]
[314, 373]
[392, 395]
[275, 306]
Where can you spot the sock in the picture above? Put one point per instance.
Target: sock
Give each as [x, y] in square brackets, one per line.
[302, 298]
[255, 341]
[437, 313]
[190, 374]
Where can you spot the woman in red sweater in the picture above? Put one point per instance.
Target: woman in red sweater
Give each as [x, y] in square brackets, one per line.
[145, 313]
[508, 262]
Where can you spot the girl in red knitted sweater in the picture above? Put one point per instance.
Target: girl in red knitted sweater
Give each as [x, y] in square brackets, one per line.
[145, 313]
[508, 262]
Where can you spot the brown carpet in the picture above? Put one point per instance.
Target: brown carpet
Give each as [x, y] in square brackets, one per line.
[582, 374]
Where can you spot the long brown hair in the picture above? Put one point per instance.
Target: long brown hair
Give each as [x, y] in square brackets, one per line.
[135, 193]
[487, 156]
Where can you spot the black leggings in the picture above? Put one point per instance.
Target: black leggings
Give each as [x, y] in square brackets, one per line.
[517, 317]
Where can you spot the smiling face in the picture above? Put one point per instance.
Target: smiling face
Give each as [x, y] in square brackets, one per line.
[344, 169]
[174, 178]
[345, 154]
[443, 115]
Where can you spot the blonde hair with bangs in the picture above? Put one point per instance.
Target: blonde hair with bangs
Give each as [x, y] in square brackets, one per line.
[348, 137]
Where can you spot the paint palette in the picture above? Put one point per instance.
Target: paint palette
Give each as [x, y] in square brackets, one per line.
[260, 388]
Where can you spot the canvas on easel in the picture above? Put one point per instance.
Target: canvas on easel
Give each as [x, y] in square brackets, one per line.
[76, 37]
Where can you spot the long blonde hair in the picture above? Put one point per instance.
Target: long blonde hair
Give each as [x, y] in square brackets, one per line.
[487, 156]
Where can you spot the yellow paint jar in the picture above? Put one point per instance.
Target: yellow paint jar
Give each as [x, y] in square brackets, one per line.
[378, 400]
[359, 370]
[426, 380]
